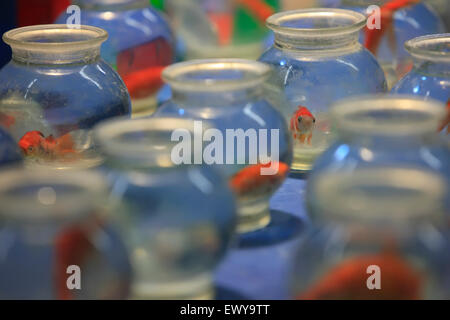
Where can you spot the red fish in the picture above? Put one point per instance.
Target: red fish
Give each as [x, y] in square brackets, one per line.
[258, 8]
[34, 143]
[71, 248]
[348, 280]
[141, 67]
[446, 121]
[250, 179]
[143, 83]
[302, 124]
[374, 36]
[7, 121]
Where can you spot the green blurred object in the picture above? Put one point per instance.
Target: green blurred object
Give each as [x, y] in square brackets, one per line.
[158, 4]
[247, 27]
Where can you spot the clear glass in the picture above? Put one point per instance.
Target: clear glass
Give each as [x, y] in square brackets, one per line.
[9, 152]
[380, 199]
[404, 20]
[221, 28]
[140, 45]
[230, 94]
[55, 89]
[318, 60]
[177, 220]
[430, 77]
[378, 136]
[51, 221]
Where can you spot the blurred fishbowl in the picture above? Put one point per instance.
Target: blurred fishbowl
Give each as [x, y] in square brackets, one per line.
[177, 220]
[231, 95]
[221, 28]
[55, 235]
[430, 76]
[139, 46]
[400, 21]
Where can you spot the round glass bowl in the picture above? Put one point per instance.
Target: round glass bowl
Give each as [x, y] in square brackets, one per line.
[430, 77]
[140, 45]
[388, 137]
[400, 21]
[222, 29]
[345, 262]
[379, 198]
[55, 237]
[177, 219]
[9, 152]
[55, 89]
[318, 60]
[248, 133]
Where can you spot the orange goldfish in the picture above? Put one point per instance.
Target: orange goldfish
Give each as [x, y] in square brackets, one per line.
[374, 36]
[302, 124]
[7, 121]
[250, 179]
[34, 143]
[140, 67]
[446, 121]
[348, 280]
[143, 83]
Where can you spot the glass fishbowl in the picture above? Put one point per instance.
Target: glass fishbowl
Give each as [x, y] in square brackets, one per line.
[249, 141]
[430, 77]
[221, 28]
[380, 199]
[400, 21]
[140, 45]
[318, 60]
[9, 151]
[54, 90]
[56, 241]
[177, 219]
[360, 262]
[382, 136]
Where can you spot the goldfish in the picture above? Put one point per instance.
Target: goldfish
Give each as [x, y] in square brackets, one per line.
[302, 124]
[7, 121]
[140, 67]
[374, 36]
[143, 83]
[348, 280]
[446, 121]
[250, 179]
[34, 143]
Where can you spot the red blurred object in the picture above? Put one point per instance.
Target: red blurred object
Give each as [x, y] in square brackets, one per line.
[32, 12]
[140, 67]
[224, 25]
